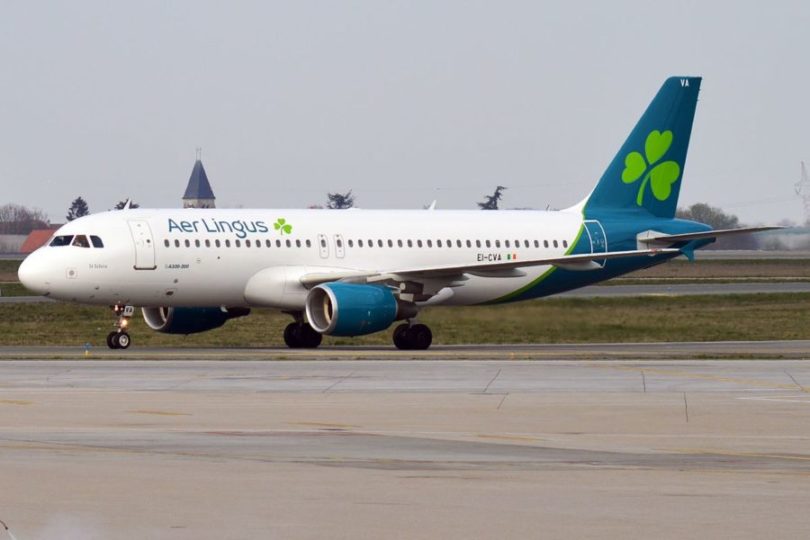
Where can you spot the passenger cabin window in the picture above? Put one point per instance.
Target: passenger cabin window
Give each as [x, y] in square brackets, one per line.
[176, 243]
[62, 240]
[97, 243]
[81, 241]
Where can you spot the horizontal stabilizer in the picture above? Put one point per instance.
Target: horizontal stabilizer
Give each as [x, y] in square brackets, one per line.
[652, 237]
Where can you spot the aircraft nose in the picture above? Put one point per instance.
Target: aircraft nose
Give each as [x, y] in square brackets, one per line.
[33, 274]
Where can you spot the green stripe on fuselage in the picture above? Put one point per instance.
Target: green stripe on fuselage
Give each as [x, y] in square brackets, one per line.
[538, 280]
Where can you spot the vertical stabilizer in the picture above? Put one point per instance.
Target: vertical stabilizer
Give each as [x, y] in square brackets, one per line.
[646, 174]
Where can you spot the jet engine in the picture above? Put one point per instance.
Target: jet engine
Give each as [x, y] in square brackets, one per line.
[189, 320]
[350, 309]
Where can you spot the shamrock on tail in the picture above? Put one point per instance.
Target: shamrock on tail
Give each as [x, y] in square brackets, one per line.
[282, 226]
[661, 177]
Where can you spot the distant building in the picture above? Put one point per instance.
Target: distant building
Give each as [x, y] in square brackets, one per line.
[36, 239]
[198, 192]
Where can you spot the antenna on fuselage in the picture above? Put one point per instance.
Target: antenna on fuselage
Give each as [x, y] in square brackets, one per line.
[802, 188]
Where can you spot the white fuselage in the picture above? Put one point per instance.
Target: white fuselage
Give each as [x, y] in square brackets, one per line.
[208, 257]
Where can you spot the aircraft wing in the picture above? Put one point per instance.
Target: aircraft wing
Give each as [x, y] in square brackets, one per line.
[497, 269]
[652, 237]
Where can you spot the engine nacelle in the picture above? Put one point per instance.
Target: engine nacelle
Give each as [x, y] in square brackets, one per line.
[349, 309]
[189, 320]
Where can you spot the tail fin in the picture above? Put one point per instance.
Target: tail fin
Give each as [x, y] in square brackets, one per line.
[646, 174]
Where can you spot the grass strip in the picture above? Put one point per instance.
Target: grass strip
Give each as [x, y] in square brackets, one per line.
[554, 320]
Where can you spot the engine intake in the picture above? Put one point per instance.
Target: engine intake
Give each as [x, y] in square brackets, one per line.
[349, 309]
[188, 320]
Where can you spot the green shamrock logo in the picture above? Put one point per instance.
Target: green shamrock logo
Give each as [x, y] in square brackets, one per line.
[661, 177]
[282, 226]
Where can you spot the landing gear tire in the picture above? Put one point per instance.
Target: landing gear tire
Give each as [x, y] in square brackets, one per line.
[123, 341]
[401, 336]
[417, 337]
[301, 336]
[118, 340]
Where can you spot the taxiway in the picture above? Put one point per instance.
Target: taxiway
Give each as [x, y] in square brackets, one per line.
[405, 448]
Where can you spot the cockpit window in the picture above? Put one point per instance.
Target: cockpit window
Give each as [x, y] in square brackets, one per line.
[63, 240]
[96, 241]
[81, 241]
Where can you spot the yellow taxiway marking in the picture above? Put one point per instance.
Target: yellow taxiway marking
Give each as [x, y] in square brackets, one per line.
[15, 402]
[159, 413]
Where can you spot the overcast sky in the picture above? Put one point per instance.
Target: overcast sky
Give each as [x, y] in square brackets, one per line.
[402, 102]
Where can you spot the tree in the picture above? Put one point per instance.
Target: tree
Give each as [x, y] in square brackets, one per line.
[491, 202]
[717, 219]
[78, 208]
[121, 204]
[339, 201]
[17, 219]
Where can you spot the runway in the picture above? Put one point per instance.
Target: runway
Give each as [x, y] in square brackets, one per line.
[339, 448]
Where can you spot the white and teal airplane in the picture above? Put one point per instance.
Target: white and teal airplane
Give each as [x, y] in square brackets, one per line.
[356, 272]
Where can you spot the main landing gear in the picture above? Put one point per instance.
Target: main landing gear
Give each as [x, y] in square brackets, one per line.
[119, 338]
[300, 335]
[412, 337]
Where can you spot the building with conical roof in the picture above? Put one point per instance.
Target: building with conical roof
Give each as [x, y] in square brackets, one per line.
[198, 192]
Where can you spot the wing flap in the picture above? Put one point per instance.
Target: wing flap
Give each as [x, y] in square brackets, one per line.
[498, 269]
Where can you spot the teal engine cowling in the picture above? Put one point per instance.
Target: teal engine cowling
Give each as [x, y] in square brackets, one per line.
[350, 309]
[189, 320]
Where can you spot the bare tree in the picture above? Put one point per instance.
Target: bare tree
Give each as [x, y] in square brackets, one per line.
[491, 202]
[121, 204]
[339, 201]
[18, 219]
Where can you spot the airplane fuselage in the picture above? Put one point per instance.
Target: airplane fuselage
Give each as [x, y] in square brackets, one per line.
[207, 257]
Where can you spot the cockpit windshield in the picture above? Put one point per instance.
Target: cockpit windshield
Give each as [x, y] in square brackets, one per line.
[78, 240]
[81, 241]
[62, 240]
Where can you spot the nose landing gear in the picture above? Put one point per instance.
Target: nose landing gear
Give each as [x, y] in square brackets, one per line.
[119, 338]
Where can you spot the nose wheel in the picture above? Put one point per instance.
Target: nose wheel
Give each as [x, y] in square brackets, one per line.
[119, 338]
[416, 337]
